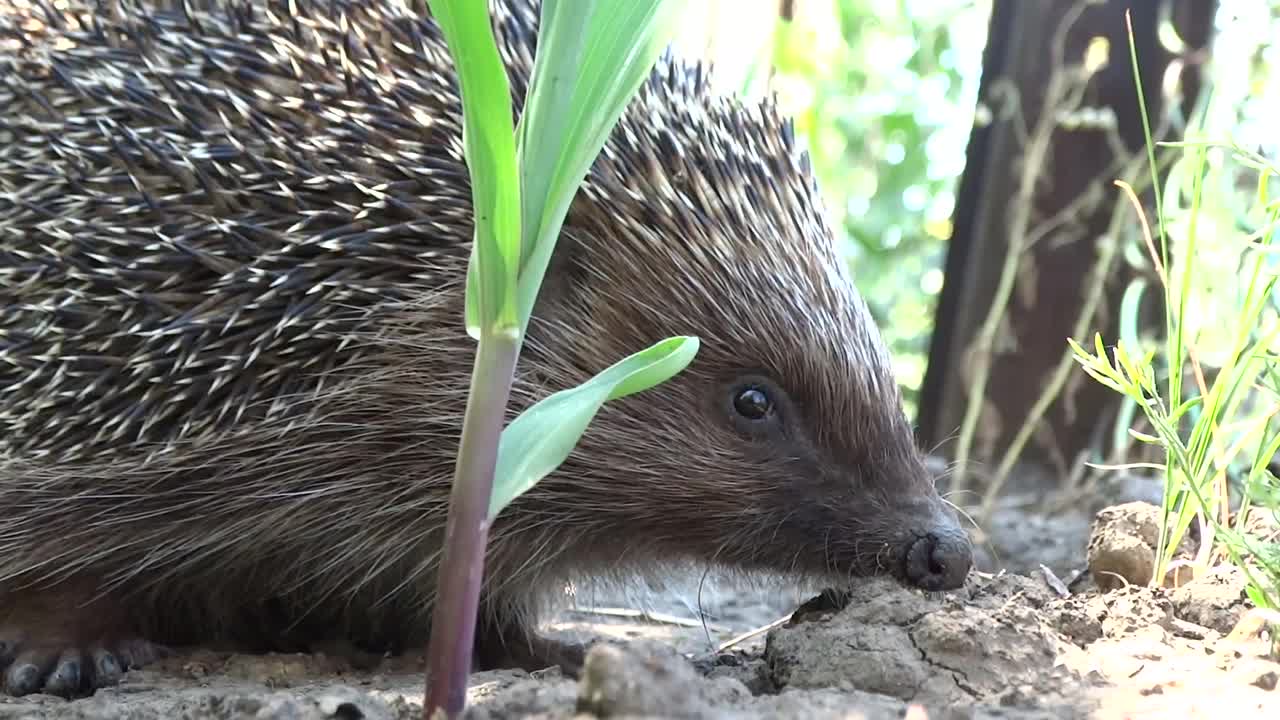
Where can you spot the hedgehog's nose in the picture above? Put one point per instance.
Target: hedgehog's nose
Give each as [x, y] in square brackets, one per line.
[939, 560]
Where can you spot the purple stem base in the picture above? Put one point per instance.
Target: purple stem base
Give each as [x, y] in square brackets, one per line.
[453, 624]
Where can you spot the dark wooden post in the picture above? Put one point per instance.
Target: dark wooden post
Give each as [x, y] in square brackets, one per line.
[1048, 297]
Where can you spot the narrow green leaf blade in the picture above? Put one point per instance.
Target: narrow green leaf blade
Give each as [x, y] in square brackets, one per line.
[1144, 437]
[1184, 407]
[489, 146]
[540, 439]
[570, 112]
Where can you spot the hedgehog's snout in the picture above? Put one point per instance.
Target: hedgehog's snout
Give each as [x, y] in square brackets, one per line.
[939, 559]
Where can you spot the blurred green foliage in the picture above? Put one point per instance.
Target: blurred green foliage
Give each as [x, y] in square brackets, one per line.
[1242, 100]
[1208, 388]
[883, 93]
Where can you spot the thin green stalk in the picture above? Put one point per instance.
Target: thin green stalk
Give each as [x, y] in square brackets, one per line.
[588, 66]
[1174, 318]
[453, 625]
[1172, 344]
[1176, 328]
[1173, 339]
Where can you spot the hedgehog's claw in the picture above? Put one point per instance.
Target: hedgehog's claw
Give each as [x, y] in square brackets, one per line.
[26, 675]
[68, 674]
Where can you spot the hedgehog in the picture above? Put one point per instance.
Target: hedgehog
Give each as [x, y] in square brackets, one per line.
[233, 365]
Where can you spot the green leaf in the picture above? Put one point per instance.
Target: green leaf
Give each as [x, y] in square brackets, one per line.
[1096, 366]
[489, 146]
[1125, 363]
[1144, 437]
[1256, 596]
[537, 441]
[1097, 343]
[1130, 308]
[591, 60]
[1075, 347]
[1106, 380]
[1184, 407]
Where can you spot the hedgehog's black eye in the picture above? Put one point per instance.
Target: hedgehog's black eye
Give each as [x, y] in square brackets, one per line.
[753, 403]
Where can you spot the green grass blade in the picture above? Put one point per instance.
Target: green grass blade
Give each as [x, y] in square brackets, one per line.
[1182, 409]
[537, 441]
[490, 150]
[569, 112]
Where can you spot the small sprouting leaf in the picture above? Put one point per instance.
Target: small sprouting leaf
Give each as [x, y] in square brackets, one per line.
[488, 138]
[1256, 596]
[1097, 367]
[1184, 407]
[537, 441]
[1106, 380]
[1147, 358]
[1125, 364]
[1079, 351]
[1136, 376]
[1143, 437]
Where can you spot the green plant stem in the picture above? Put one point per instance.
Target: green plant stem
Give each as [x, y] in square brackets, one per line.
[453, 623]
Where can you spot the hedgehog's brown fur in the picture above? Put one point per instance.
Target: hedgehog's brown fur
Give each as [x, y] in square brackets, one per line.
[233, 365]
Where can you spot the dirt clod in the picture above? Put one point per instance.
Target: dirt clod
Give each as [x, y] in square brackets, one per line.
[1123, 542]
[1215, 601]
[646, 679]
[1122, 545]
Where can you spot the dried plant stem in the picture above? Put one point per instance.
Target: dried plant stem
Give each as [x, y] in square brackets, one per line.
[453, 624]
[1093, 294]
[1034, 159]
[1062, 372]
[1065, 88]
[1064, 93]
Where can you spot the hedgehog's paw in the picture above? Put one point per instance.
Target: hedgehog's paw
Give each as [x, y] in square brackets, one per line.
[48, 646]
[68, 670]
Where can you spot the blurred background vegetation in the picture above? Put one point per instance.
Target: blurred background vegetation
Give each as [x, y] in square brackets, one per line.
[884, 94]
